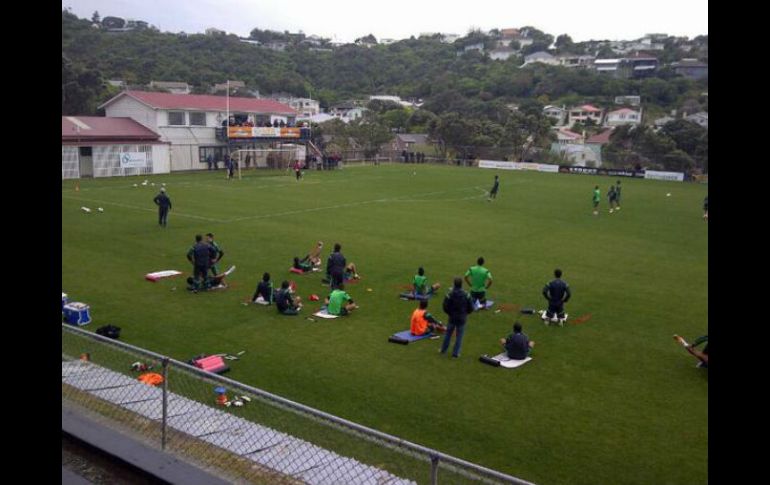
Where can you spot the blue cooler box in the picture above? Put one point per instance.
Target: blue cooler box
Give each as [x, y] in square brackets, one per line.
[77, 314]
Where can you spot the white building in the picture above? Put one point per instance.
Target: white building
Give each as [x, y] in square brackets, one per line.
[171, 86]
[556, 113]
[95, 146]
[305, 107]
[501, 54]
[623, 116]
[189, 122]
[585, 113]
[541, 57]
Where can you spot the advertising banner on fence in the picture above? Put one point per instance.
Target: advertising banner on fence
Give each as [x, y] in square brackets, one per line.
[611, 172]
[262, 132]
[133, 160]
[538, 167]
[673, 176]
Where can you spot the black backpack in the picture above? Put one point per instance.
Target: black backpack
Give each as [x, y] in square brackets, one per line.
[110, 331]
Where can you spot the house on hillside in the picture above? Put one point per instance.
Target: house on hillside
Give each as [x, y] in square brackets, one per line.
[347, 112]
[305, 107]
[559, 114]
[223, 86]
[479, 46]
[541, 57]
[628, 100]
[691, 68]
[501, 54]
[701, 118]
[623, 116]
[408, 142]
[191, 123]
[585, 113]
[171, 87]
[573, 60]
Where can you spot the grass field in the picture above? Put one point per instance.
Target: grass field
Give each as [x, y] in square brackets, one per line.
[613, 400]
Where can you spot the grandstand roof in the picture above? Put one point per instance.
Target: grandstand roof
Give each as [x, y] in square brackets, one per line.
[99, 128]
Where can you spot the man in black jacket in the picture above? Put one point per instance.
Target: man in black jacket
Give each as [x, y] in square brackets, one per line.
[335, 267]
[164, 205]
[557, 293]
[457, 304]
[200, 255]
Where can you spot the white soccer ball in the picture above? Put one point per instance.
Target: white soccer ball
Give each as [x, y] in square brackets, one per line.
[135, 185]
[668, 194]
[100, 209]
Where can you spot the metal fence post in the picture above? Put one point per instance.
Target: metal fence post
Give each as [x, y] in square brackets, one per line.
[434, 470]
[165, 403]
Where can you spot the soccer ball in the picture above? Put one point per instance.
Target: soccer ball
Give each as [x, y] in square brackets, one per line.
[668, 194]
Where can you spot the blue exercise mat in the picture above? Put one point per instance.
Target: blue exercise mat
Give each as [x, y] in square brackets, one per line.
[406, 337]
[412, 296]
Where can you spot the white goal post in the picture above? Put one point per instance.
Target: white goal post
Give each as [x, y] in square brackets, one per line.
[268, 158]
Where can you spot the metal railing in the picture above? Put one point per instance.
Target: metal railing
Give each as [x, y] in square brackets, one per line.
[266, 439]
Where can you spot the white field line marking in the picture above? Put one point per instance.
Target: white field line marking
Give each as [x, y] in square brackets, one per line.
[349, 204]
[140, 208]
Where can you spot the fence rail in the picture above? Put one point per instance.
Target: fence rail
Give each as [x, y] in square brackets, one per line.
[270, 439]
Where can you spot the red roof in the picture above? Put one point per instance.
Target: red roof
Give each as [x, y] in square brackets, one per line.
[601, 138]
[588, 107]
[99, 128]
[205, 102]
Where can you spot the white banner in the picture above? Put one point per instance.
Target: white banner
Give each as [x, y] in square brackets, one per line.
[133, 160]
[538, 167]
[673, 176]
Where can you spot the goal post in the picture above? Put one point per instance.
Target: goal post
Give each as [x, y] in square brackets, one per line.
[267, 158]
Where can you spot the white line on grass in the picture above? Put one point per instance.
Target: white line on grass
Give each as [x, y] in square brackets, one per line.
[175, 213]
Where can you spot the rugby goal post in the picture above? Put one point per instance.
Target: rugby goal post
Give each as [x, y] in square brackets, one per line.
[268, 158]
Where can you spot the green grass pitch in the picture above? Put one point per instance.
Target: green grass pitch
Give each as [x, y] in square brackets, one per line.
[611, 400]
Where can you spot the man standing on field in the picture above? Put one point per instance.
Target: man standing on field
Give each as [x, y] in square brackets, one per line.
[597, 198]
[479, 279]
[164, 205]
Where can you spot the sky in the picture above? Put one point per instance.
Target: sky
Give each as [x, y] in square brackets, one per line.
[346, 20]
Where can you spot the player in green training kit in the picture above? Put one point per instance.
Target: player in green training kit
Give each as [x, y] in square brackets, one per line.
[420, 284]
[597, 198]
[339, 302]
[479, 279]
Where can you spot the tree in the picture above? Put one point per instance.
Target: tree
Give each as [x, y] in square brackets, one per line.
[369, 39]
[678, 161]
[369, 133]
[564, 43]
[95, 18]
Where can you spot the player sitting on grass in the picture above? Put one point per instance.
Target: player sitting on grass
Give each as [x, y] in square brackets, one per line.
[264, 292]
[209, 282]
[303, 265]
[286, 302]
[339, 302]
[423, 322]
[702, 356]
[517, 345]
[351, 273]
[314, 256]
[420, 284]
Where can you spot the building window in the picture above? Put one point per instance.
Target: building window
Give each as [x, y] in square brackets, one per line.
[176, 118]
[217, 154]
[198, 119]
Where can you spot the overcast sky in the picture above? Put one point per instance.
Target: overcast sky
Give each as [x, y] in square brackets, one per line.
[346, 20]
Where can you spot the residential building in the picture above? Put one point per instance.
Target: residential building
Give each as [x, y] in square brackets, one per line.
[701, 118]
[629, 100]
[572, 60]
[214, 31]
[691, 68]
[479, 46]
[585, 113]
[501, 54]
[449, 38]
[541, 57]
[623, 116]
[116, 83]
[305, 107]
[566, 137]
[95, 146]
[636, 66]
[347, 112]
[408, 142]
[171, 86]
[559, 114]
[250, 41]
[276, 45]
[194, 124]
[223, 86]
[609, 67]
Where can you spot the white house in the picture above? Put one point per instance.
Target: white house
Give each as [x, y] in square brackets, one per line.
[623, 116]
[189, 122]
[701, 118]
[541, 57]
[347, 112]
[557, 113]
[570, 60]
[305, 107]
[95, 146]
[223, 86]
[607, 66]
[630, 100]
[501, 54]
[585, 113]
[479, 46]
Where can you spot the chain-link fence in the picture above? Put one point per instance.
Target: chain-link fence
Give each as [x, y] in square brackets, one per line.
[258, 438]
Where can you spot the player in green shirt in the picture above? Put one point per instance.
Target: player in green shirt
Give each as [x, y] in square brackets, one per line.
[220, 253]
[339, 302]
[479, 279]
[597, 198]
[420, 284]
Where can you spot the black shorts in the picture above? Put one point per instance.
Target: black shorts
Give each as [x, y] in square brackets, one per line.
[479, 295]
[556, 307]
[337, 278]
[201, 270]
